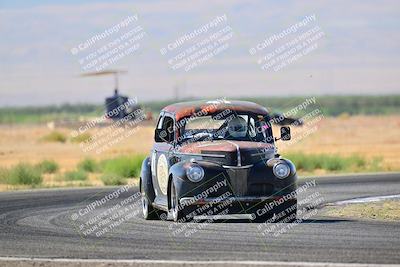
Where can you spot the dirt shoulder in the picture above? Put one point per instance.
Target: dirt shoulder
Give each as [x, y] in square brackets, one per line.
[388, 210]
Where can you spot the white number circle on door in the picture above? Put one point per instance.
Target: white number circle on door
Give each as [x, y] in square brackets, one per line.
[162, 173]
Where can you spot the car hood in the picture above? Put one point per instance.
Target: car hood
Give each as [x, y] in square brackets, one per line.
[225, 146]
[235, 152]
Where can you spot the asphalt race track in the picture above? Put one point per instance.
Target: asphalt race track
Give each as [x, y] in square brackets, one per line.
[48, 223]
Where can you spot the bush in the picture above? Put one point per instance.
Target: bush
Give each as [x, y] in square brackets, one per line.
[375, 165]
[25, 174]
[306, 162]
[4, 175]
[359, 162]
[47, 166]
[125, 166]
[334, 163]
[88, 165]
[81, 138]
[54, 137]
[78, 175]
[113, 179]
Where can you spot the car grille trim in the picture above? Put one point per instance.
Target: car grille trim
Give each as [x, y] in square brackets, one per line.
[239, 161]
[238, 180]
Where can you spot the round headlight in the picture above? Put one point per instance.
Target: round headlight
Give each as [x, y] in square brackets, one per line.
[195, 173]
[281, 170]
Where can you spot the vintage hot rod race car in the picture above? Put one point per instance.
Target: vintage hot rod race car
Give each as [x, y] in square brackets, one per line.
[217, 158]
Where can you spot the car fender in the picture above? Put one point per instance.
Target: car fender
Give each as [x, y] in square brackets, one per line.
[293, 171]
[177, 175]
[146, 180]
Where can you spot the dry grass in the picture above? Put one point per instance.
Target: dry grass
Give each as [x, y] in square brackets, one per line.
[23, 143]
[366, 136]
[384, 210]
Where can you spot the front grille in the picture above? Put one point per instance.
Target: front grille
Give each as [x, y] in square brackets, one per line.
[241, 185]
[260, 189]
[238, 181]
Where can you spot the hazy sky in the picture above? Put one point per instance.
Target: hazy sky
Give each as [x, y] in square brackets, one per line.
[358, 53]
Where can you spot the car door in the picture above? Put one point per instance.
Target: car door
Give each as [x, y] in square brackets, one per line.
[161, 154]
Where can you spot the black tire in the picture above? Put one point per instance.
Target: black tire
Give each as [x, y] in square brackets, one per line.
[177, 214]
[290, 212]
[148, 211]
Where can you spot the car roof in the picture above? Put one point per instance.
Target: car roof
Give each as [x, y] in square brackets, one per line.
[186, 109]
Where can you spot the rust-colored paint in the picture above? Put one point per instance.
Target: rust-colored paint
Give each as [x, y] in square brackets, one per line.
[188, 109]
[223, 146]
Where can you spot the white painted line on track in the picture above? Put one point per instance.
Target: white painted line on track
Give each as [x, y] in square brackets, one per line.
[43, 262]
[366, 199]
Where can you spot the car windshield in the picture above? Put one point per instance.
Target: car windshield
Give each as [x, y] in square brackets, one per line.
[239, 127]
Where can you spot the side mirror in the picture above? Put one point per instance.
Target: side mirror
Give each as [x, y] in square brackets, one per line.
[161, 136]
[285, 134]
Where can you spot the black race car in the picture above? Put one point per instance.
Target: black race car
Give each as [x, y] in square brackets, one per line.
[217, 159]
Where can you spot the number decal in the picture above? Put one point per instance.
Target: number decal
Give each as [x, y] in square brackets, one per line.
[162, 173]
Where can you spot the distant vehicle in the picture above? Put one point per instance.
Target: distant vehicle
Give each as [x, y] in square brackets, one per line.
[119, 106]
[209, 155]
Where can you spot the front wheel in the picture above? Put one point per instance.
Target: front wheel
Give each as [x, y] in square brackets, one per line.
[178, 214]
[290, 212]
[149, 213]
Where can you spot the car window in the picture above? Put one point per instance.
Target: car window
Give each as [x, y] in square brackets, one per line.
[168, 123]
[240, 127]
[168, 126]
[204, 123]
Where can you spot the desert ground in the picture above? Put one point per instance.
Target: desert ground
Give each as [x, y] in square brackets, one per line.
[372, 137]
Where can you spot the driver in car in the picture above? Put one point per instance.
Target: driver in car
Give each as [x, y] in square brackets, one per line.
[237, 128]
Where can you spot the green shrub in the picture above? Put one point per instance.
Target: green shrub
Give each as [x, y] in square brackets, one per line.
[112, 179]
[305, 162]
[81, 138]
[25, 174]
[125, 166]
[47, 166]
[88, 165]
[54, 137]
[78, 175]
[358, 161]
[333, 163]
[4, 175]
[375, 165]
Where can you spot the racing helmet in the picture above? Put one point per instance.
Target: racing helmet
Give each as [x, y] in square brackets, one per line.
[237, 127]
